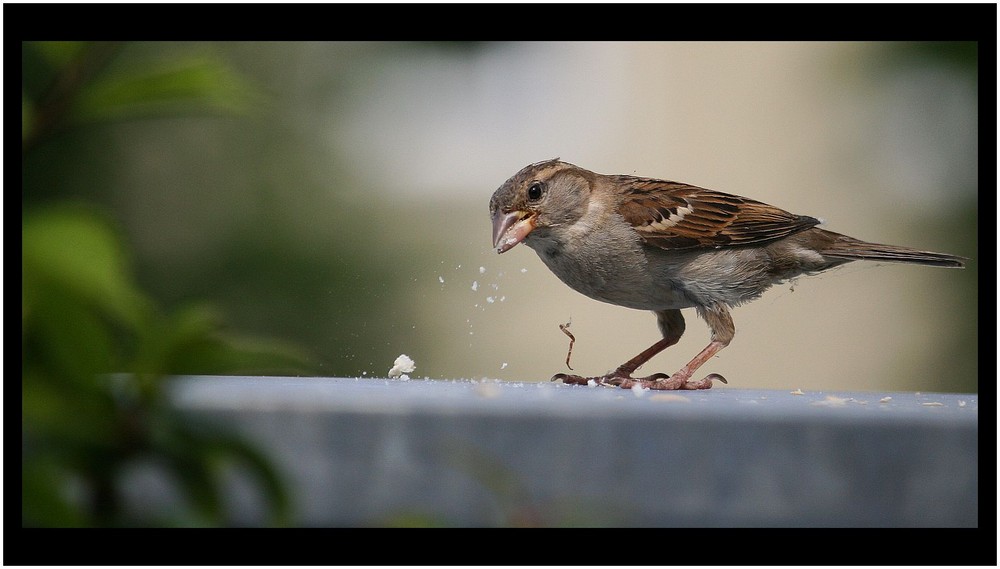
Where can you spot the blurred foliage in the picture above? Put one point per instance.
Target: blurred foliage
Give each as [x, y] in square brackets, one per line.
[229, 190]
[95, 348]
[959, 54]
[75, 87]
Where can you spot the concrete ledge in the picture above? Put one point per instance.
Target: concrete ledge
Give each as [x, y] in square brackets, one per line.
[375, 451]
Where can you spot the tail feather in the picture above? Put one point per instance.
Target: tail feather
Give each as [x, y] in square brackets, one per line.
[848, 248]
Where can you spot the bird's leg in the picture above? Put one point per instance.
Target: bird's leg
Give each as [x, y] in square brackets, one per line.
[624, 371]
[682, 379]
[671, 324]
[721, 324]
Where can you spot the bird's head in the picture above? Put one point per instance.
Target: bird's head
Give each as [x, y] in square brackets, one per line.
[542, 195]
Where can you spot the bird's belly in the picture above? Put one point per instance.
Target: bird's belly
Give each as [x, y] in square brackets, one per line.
[648, 278]
[724, 276]
[620, 279]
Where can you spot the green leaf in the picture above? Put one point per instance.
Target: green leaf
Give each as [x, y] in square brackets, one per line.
[74, 250]
[66, 338]
[58, 54]
[44, 503]
[239, 453]
[68, 418]
[191, 341]
[193, 471]
[195, 84]
[233, 355]
[164, 342]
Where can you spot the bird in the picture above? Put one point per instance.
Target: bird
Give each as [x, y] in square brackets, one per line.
[664, 246]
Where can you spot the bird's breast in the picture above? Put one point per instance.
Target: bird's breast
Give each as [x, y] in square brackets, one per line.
[610, 266]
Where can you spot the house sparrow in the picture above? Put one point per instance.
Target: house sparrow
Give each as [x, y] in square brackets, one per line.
[663, 246]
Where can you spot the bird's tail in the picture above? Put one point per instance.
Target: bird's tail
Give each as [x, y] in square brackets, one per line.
[848, 248]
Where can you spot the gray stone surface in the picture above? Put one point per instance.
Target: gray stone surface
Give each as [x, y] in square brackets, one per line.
[381, 452]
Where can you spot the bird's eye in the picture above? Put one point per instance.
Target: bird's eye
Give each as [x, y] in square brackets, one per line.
[535, 190]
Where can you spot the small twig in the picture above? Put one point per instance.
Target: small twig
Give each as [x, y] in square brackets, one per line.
[565, 330]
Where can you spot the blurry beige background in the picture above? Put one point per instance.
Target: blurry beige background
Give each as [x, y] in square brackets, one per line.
[392, 151]
[816, 128]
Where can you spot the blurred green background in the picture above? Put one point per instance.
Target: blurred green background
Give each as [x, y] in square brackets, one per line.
[320, 208]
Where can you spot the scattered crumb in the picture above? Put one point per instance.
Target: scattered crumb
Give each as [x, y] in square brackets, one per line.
[591, 383]
[933, 404]
[503, 365]
[797, 392]
[482, 270]
[475, 286]
[524, 270]
[402, 366]
[961, 403]
[670, 397]
[885, 399]
[638, 391]
[490, 299]
[832, 401]
[441, 280]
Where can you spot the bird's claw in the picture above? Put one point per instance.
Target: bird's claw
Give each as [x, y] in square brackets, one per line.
[657, 381]
[572, 379]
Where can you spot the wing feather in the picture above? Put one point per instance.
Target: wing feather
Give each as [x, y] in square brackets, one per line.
[672, 215]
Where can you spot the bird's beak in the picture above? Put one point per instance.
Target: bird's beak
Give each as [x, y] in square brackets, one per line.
[509, 229]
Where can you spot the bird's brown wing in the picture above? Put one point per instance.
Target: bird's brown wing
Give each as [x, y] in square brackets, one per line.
[672, 215]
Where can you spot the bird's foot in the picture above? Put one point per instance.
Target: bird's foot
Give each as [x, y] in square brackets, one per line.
[657, 381]
[573, 379]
